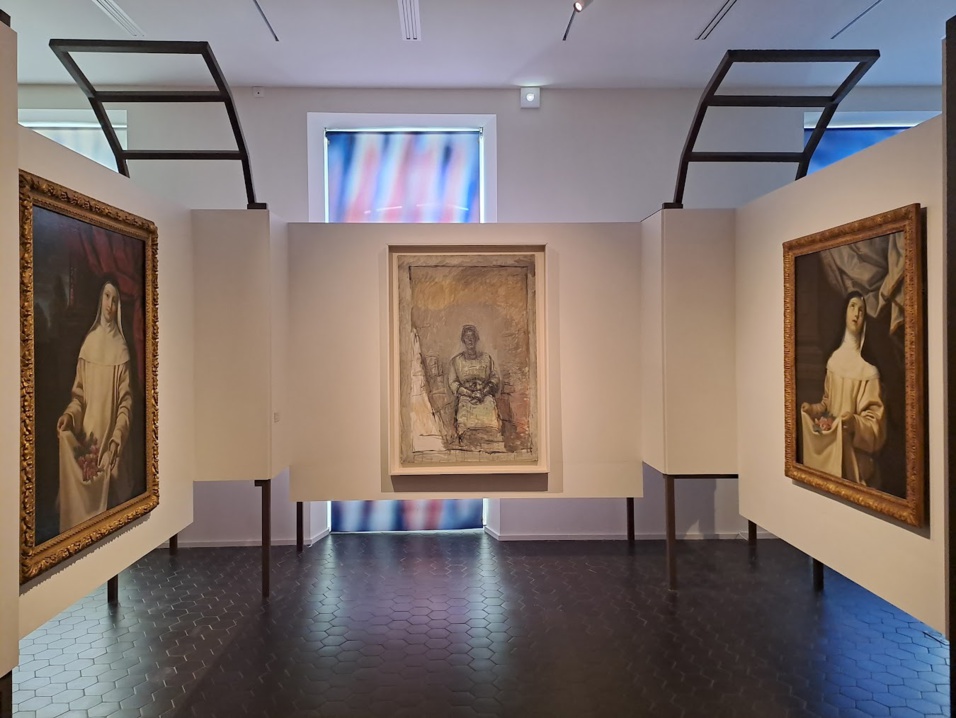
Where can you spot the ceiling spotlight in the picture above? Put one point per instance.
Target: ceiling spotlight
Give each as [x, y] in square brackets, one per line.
[578, 6]
[530, 97]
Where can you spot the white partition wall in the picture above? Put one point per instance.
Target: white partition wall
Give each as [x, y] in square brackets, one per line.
[9, 354]
[242, 332]
[688, 371]
[338, 358]
[279, 300]
[55, 590]
[905, 566]
[652, 341]
[688, 342]
[234, 317]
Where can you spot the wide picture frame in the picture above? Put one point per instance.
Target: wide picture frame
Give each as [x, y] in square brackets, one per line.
[468, 380]
[88, 372]
[854, 363]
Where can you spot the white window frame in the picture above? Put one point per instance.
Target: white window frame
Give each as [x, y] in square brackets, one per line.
[321, 122]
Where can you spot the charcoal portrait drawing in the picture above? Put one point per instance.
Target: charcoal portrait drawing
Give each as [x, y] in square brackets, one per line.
[465, 327]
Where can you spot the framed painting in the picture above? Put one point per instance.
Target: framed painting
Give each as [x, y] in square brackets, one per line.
[88, 366]
[854, 363]
[467, 392]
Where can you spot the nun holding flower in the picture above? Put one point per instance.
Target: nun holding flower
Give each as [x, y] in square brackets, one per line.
[95, 426]
[844, 431]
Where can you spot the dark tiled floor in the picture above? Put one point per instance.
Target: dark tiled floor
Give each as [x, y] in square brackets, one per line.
[450, 625]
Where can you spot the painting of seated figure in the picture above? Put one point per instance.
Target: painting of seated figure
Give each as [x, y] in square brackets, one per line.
[854, 363]
[466, 360]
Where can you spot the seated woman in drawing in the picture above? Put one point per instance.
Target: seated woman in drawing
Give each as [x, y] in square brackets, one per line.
[474, 383]
[843, 433]
[94, 427]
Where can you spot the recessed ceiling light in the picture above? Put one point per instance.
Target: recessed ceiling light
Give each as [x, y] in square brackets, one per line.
[530, 97]
[119, 16]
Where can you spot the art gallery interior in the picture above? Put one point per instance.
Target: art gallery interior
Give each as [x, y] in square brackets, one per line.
[660, 353]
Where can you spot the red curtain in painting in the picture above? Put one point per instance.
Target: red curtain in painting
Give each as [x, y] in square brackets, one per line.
[108, 254]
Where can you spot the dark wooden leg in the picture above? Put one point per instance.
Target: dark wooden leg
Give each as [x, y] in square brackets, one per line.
[6, 696]
[752, 541]
[817, 575]
[670, 510]
[630, 521]
[112, 591]
[266, 487]
[174, 544]
[299, 527]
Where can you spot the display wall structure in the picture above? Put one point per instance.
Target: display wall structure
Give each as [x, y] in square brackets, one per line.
[688, 347]
[240, 261]
[9, 359]
[542, 165]
[47, 595]
[339, 361]
[904, 565]
[688, 344]
[241, 319]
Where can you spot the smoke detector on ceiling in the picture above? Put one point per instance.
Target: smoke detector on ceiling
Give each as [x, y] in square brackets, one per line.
[119, 16]
[410, 19]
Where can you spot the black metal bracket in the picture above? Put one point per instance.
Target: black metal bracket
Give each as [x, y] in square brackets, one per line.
[949, 195]
[63, 49]
[864, 60]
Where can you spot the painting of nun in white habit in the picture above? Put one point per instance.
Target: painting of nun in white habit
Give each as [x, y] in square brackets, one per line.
[854, 363]
[94, 429]
[89, 363]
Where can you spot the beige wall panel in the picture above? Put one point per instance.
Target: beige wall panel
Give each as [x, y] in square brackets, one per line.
[9, 354]
[652, 342]
[339, 355]
[59, 588]
[700, 405]
[233, 347]
[903, 565]
[279, 258]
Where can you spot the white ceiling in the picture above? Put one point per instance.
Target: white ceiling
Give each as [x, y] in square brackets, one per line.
[484, 43]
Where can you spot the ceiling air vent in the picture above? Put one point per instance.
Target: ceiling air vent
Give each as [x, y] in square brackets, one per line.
[410, 19]
[119, 16]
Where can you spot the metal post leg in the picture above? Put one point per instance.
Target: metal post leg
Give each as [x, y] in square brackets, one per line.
[266, 487]
[670, 511]
[630, 521]
[6, 696]
[817, 575]
[112, 591]
[174, 544]
[299, 527]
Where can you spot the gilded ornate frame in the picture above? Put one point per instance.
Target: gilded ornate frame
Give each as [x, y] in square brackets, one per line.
[38, 192]
[910, 509]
